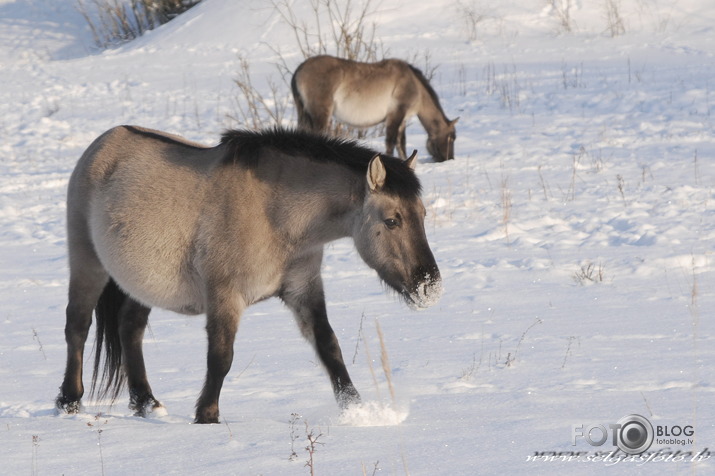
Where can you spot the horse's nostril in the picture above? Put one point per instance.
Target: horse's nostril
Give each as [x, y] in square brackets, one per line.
[423, 289]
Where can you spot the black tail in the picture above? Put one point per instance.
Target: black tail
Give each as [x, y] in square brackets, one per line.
[107, 311]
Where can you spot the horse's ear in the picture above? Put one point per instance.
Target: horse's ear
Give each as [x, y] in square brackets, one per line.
[412, 160]
[454, 121]
[376, 174]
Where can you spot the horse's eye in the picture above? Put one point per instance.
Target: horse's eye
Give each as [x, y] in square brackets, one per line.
[391, 223]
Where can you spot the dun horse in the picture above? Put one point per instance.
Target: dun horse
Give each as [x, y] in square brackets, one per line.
[367, 94]
[155, 220]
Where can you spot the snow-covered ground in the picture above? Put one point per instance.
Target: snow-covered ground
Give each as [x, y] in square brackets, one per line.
[575, 233]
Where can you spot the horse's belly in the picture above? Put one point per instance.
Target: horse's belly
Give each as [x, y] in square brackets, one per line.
[151, 266]
[359, 111]
[156, 284]
[173, 295]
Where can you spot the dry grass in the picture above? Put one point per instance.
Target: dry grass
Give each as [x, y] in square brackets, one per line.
[116, 21]
[341, 29]
[589, 273]
[385, 360]
[614, 21]
[506, 205]
[561, 9]
[254, 109]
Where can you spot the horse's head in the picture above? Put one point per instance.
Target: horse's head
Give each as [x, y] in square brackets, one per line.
[440, 141]
[390, 235]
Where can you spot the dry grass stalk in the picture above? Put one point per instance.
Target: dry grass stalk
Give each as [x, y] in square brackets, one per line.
[385, 361]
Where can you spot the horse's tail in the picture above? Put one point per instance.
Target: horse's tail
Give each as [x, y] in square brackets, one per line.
[107, 312]
[304, 120]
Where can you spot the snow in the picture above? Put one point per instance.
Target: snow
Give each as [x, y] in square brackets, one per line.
[574, 231]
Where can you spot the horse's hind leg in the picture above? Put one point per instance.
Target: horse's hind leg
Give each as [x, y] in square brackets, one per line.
[87, 280]
[132, 323]
[303, 294]
[316, 118]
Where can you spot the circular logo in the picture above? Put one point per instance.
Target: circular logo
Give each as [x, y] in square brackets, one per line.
[635, 434]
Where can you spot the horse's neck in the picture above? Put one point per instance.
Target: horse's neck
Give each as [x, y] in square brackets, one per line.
[430, 113]
[326, 203]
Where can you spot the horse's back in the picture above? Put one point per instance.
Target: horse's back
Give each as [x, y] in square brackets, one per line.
[128, 146]
[327, 73]
[357, 93]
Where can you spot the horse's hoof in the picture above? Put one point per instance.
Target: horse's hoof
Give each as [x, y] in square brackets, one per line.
[206, 416]
[67, 405]
[206, 419]
[206, 422]
[148, 406]
[348, 396]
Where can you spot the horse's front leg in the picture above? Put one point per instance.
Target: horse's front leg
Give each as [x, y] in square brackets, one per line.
[221, 325]
[395, 125]
[305, 297]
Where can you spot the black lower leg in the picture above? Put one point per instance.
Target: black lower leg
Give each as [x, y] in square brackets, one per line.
[133, 321]
[69, 399]
[221, 335]
[328, 349]
[207, 410]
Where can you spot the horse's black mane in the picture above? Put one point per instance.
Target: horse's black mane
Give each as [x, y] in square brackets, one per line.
[425, 83]
[245, 146]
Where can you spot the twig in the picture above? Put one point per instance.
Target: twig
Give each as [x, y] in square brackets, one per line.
[357, 344]
[311, 448]
[568, 350]
[621, 188]
[37, 338]
[646, 404]
[294, 417]
[509, 358]
[374, 469]
[35, 444]
[246, 367]
[99, 443]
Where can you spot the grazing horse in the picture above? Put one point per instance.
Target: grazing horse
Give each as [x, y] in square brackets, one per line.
[367, 94]
[155, 220]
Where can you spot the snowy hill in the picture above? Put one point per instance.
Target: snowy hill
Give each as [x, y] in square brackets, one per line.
[574, 230]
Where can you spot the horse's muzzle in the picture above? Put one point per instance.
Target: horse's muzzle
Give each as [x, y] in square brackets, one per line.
[427, 290]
